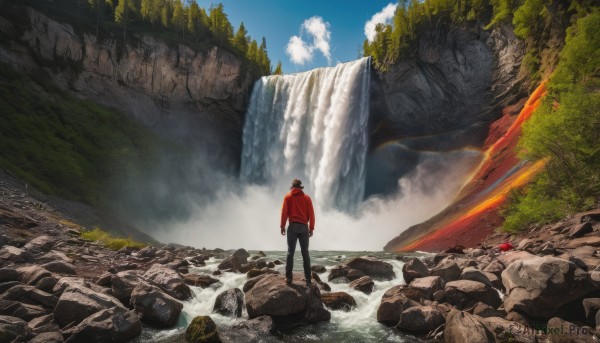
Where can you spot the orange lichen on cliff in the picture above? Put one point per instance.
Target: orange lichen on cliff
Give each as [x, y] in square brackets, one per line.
[474, 215]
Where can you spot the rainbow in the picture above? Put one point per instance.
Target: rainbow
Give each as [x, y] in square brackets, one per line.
[474, 213]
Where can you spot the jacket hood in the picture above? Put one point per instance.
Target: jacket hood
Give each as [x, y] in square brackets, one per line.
[296, 191]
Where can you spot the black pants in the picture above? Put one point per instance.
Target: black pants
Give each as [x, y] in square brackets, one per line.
[297, 232]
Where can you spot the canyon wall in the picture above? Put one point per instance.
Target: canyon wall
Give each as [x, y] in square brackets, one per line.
[175, 90]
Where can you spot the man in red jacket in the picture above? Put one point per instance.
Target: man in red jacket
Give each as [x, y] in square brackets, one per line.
[298, 207]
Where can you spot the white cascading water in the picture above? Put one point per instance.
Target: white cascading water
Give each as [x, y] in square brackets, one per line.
[312, 126]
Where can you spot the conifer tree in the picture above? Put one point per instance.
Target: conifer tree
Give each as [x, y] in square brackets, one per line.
[240, 40]
[278, 69]
[123, 14]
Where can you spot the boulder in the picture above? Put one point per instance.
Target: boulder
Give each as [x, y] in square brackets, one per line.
[277, 262]
[580, 230]
[364, 284]
[9, 253]
[250, 283]
[169, 280]
[30, 295]
[69, 281]
[337, 272]
[420, 319]
[77, 303]
[40, 244]
[472, 253]
[43, 324]
[202, 329]
[393, 302]
[507, 331]
[20, 310]
[466, 293]
[513, 256]
[340, 280]
[593, 241]
[251, 331]
[463, 327]
[354, 274]
[53, 256]
[199, 280]
[116, 324]
[123, 283]
[538, 286]
[104, 279]
[13, 329]
[562, 331]
[483, 310]
[9, 274]
[272, 296]
[60, 267]
[447, 269]
[46, 284]
[429, 284]
[590, 308]
[48, 337]
[230, 263]
[495, 267]
[229, 303]
[241, 255]
[148, 251]
[256, 272]
[155, 306]
[317, 268]
[338, 301]
[372, 267]
[262, 263]
[413, 269]
[474, 274]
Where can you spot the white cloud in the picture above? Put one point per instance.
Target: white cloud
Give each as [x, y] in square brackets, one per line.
[301, 51]
[316, 27]
[298, 50]
[382, 17]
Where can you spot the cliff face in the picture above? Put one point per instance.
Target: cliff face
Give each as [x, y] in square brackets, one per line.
[453, 87]
[174, 90]
[442, 98]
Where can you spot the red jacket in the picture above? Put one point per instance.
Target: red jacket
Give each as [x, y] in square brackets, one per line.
[298, 207]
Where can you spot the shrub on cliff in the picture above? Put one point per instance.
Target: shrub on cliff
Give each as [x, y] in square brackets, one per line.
[66, 146]
[565, 129]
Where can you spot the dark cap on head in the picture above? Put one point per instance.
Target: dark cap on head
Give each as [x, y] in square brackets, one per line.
[297, 184]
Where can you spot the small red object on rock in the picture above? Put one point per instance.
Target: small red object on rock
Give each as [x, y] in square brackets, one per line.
[505, 246]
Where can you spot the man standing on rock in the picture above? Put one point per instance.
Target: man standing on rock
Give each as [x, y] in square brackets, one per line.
[298, 207]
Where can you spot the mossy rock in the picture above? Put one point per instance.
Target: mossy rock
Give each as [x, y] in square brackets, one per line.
[202, 330]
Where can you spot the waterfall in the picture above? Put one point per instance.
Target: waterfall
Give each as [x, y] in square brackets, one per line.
[313, 126]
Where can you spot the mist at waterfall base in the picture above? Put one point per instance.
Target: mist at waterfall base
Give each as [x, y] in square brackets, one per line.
[249, 218]
[314, 126]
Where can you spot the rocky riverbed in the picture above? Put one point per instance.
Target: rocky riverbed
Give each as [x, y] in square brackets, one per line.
[56, 286]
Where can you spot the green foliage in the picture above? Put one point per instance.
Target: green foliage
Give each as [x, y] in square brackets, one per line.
[530, 17]
[565, 130]
[278, 69]
[502, 9]
[240, 40]
[109, 241]
[175, 21]
[398, 39]
[64, 145]
[534, 206]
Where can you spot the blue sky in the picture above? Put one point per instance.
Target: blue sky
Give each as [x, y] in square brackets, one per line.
[340, 32]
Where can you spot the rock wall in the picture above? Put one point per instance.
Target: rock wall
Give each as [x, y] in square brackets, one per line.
[442, 98]
[453, 87]
[174, 90]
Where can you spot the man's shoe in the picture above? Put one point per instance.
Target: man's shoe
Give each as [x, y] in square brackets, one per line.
[288, 281]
